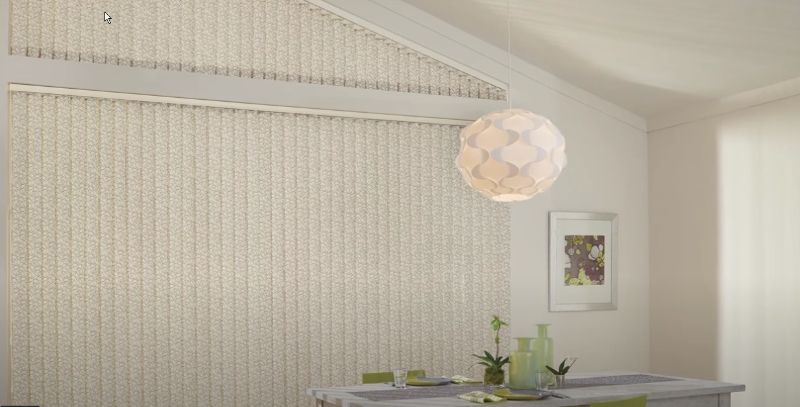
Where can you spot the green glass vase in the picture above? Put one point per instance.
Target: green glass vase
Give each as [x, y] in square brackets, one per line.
[494, 376]
[524, 362]
[543, 346]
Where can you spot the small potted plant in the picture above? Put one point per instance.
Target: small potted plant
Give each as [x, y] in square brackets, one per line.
[494, 373]
[561, 372]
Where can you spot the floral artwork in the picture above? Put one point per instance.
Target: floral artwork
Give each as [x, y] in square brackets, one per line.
[585, 260]
[583, 249]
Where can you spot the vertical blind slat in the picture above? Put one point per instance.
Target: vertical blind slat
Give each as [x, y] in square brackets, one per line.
[185, 255]
[288, 40]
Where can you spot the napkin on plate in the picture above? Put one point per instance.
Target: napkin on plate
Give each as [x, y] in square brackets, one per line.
[480, 397]
[458, 379]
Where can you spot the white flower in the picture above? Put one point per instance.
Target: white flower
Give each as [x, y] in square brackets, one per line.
[596, 250]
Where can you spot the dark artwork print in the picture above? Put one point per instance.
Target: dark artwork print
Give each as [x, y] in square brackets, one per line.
[585, 260]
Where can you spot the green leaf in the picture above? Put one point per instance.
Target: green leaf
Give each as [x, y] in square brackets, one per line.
[484, 358]
[566, 369]
[553, 371]
[561, 366]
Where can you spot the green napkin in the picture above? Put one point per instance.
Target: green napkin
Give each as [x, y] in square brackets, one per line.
[480, 397]
[508, 395]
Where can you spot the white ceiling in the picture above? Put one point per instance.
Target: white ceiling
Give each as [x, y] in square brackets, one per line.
[649, 56]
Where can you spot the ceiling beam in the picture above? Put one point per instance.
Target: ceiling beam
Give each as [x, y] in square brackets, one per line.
[199, 86]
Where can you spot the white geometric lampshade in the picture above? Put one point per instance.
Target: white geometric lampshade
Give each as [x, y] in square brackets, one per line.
[511, 155]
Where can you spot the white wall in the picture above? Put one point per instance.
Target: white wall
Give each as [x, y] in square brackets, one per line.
[724, 199]
[607, 172]
[683, 247]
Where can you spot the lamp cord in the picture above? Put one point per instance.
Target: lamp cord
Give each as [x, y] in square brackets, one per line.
[508, 51]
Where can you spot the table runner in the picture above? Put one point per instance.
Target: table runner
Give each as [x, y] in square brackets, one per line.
[453, 390]
[614, 380]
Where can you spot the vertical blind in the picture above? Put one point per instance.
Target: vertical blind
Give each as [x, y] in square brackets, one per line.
[286, 40]
[175, 255]
[757, 277]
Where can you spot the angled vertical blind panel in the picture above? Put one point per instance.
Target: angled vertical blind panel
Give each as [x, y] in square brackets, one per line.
[175, 255]
[286, 40]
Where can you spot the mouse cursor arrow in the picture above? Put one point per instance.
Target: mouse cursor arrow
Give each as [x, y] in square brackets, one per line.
[106, 17]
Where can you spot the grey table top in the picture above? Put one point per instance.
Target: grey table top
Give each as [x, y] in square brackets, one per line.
[683, 387]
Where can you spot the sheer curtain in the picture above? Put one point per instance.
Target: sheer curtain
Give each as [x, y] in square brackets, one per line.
[760, 253]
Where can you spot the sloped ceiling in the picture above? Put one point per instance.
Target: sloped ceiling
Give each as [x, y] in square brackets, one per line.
[649, 56]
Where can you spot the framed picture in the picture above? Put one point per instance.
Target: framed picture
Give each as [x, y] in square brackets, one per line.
[583, 270]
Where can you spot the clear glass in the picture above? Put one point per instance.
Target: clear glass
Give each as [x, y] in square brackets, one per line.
[400, 376]
[543, 380]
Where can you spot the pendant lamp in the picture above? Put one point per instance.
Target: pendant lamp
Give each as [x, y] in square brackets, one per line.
[513, 154]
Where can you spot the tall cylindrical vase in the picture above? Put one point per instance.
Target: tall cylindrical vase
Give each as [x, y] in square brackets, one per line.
[543, 345]
[522, 374]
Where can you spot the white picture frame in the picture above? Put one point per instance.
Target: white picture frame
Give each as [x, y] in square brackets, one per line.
[583, 273]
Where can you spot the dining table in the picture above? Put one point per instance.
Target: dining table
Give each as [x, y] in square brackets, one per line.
[579, 390]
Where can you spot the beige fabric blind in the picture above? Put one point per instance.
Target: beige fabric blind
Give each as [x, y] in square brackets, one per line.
[172, 255]
[286, 40]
